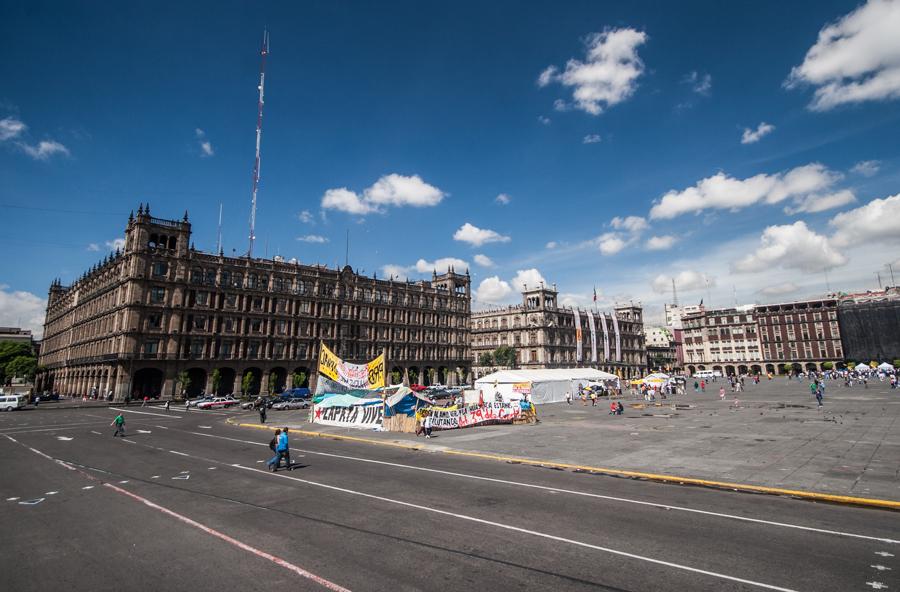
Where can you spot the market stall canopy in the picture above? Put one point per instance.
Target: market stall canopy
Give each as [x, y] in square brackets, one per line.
[544, 386]
[862, 368]
[885, 367]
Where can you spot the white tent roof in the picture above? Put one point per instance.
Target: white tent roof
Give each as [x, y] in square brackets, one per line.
[885, 366]
[548, 375]
[862, 368]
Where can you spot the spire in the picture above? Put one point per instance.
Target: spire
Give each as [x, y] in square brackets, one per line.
[140, 209]
[147, 209]
[131, 217]
[185, 215]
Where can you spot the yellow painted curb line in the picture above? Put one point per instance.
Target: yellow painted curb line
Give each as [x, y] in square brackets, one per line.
[808, 495]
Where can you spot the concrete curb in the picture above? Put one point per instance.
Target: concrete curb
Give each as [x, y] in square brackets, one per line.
[661, 478]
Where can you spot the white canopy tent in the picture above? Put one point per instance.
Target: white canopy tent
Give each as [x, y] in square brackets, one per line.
[885, 367]
[544, 386]
[862, 368]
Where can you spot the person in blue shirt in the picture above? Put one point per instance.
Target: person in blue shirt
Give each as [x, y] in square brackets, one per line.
[285, 448]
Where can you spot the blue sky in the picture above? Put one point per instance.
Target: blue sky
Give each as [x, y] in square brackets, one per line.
[747, 150]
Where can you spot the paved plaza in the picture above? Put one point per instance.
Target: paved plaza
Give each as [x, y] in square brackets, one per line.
[772, 434]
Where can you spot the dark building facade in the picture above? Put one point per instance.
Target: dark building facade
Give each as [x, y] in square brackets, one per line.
[806, 332]
[870, 326]
[159, 310]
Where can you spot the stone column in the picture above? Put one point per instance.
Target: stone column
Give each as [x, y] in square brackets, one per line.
[168, 388]
[123, 385]
[209, 384]
[264, 383]
[237, 382]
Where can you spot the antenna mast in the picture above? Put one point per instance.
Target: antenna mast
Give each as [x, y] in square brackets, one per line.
[262, 85]
[219, 236]
[674, 293]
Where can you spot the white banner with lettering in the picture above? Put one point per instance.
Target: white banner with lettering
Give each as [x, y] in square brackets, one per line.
[590, 316]
[605, 336]
[579, 353]
[356, 416]
[615, 320]
[491, 412]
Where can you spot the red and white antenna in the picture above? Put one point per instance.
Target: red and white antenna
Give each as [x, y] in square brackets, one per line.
[259, 118]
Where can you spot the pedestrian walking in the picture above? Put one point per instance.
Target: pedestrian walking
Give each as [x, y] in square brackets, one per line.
[119, 422]
[426, 423]
[703, 385]
[167, 406]
[721, 393]
[620, 409]
[286, 449]
[568, 398]
[613, 408]
[273, 445]
[144, 402]
[262, 412]
[696, 386]
[593, 398]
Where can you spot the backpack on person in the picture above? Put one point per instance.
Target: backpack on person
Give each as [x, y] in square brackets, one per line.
[273, 443]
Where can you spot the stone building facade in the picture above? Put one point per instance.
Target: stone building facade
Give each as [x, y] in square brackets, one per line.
[661, 349]
[159, 308]
[544, 335]
[766, 338]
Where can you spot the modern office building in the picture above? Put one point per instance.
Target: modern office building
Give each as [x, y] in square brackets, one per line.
[159, 311]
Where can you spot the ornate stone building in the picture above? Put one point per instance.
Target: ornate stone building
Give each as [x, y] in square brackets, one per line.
[544, 335]
[159, 309]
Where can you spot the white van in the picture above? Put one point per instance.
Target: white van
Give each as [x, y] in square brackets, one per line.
[12, 402]
[706, 374]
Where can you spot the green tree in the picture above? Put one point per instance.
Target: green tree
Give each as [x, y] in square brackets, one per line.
[298, 378]
[413, 376]
[486, 359]
[432, 373]
[216, 380]
[396, 377]
[505, 356]
[22, 367]
[182, 382]
[246, 383]
[897, 363]
[9, 351]
[827, 365]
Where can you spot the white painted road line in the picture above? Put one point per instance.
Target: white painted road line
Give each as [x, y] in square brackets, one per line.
[262, 554]
[578, 493]
[145, 412]
[535, 533]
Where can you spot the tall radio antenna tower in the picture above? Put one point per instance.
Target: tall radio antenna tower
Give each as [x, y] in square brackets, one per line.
[262, 87]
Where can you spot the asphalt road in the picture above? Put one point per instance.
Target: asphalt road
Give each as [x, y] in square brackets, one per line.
[185, 503]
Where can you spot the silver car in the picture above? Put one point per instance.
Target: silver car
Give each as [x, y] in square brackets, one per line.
[295, 404]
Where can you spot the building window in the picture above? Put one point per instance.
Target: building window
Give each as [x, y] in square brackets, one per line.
[256, 326]
[253, 349]
[160, 268]
[154, 321]
[228, 325]
[202, 298]
[200, 323]
[231, 300]
[278, 284]
[226, 349]
[238, 280]
[226, 278]
[279, 350]
[196, 276]
[157, 295]
[257, 303]
[196, 348]
[151, 347]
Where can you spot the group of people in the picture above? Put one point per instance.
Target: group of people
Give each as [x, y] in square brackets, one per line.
[817, 389]
[282, 449]
[426, 425]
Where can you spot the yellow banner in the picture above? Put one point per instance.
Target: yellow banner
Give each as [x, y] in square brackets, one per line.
[356, 376]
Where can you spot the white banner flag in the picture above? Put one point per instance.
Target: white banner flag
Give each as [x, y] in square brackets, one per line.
[593, 337]
[618, 337]
[605, 336]
[579, 354]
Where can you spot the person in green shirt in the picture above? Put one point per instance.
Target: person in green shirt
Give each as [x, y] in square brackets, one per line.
[119, 422]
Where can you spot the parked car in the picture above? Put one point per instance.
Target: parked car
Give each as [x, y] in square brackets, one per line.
[218, 403]
[292, 404]
[195, 402]
[13, 402]
[251, 404]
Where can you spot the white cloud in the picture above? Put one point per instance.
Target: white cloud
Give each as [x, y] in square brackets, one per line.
[660, 243]
[779, 289]
[11, 128]
[441, 265]
[609, 74]
[503, 199]
[629, 223]
[727, 193]
[791, 246]
[530, 278]
[551, 245]
[93, 247]
[544, 120]
[699, 83]
[390, 190]
[819, 203]
[685, 281]
[610, 243]
[398, 272]
[346, 201]
[44, 149]
[484, 261]
[305, 216]
[476, 237]
[116, 243]
[492, 290]
[312, 238]
[22, 309]
[592, 139]
[878, 220]
[855, 59]
[867, 168]
[206, 149]
[751, 136]
[560, 105]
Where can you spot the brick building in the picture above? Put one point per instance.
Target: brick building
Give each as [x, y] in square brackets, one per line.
[544, 335]
[142, 316]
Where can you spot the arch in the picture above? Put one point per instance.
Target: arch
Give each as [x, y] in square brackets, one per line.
[811, 367]
[770, 368]
[277, 379]
[782, 368]
[197, 378]
[147, 382]
[691, 369]
[429, 375]
[729, 370]
[173, 242]
[701, 367]
[396, 375]
[756, 369]
[304, 372]
[414, 375]
[742, 369]
[225, 384]
[717, 368]
[252, 388]
[443, 375]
